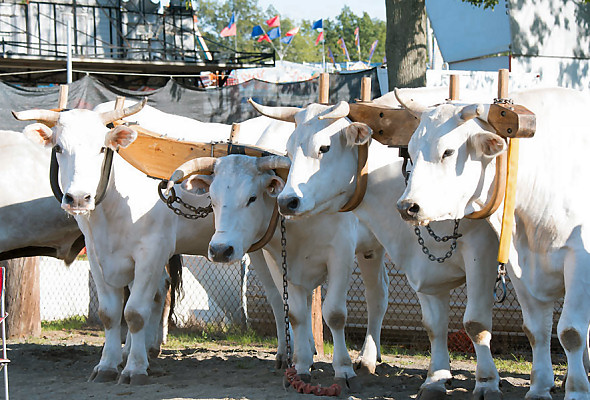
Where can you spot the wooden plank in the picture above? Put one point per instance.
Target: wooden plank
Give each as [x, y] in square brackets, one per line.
[511, 120]
[324, 95]
[391, 126]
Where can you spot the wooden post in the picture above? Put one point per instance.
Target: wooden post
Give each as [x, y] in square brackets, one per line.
[235, 133]
[324, 88]
[62, 101]
[23, 295]
[366, 89]
[503, 76]
[454, 87]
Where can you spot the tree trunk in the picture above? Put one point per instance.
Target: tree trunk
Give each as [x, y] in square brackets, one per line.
[23, 297]
[405, 46]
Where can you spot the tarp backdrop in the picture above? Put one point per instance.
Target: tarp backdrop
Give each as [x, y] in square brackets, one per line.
[225, 105]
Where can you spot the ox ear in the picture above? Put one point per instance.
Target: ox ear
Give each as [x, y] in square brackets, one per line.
[487, 144]
[275, 186]
[39, 133]
[358, 133]
[120, 136]
[198, 184]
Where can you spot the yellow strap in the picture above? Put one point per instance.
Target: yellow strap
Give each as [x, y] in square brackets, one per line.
[509, 202]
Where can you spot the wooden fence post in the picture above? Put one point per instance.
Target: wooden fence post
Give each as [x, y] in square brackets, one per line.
[454, 87]
[23, 294]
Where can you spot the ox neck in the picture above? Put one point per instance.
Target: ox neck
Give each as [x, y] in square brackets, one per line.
[362, 173]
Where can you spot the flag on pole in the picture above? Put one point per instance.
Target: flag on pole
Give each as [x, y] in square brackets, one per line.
[292, 32]
[318, 24]
[263, 38]
[273, 22]
[343, 47]
[230, 29]
[195, 19]
[287, 39]
[373, 47]
[274, 33]
[257, 31]
[331, 55]
[319, 38]
[357, 41]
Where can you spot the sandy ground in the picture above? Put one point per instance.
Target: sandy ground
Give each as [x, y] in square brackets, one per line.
[59, 366]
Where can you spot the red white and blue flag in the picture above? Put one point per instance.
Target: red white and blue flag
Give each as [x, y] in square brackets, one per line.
[273, 22]
[230, 29]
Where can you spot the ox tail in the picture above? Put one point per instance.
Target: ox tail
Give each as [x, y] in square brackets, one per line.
[175, 272]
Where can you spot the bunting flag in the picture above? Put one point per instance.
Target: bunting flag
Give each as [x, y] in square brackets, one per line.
[357, 41]
[318, 24]
[343, 47]
[274, 33]
[319, 38]
[331, 55]
[287, 39]
[257, 31]
[274, 22]
[195, 19]
[292, 32]
[264, 37]
[230, 29]
[373, 47]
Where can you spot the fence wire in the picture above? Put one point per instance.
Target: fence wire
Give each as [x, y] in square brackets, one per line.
[219, 297]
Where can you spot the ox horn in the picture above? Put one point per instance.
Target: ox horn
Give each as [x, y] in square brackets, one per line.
[46, 116]
[114, 115]
[286, 114]
[191, 167]
[273, 162]
[415, 108]
[338, 111]
[471, 111]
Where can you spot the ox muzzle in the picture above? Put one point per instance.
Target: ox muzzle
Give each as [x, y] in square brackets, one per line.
[409, 210]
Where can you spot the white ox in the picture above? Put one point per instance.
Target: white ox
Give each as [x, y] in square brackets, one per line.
[130, 234]
[26, 196]
[243, 193]
[324, 156]
[454, 151]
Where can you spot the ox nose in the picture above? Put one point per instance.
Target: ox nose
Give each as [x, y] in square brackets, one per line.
[77, 200]
[289, 205]
[221, 252]
[408, 209]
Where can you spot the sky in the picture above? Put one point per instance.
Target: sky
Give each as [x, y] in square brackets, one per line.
[316, 9]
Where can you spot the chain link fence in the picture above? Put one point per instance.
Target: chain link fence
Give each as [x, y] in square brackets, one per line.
[218, 297]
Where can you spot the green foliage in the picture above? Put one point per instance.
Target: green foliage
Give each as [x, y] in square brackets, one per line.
[77, 322]
[214, 16]
[485, 3]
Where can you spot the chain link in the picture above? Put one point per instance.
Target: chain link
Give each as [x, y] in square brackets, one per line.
[197, 212]
[456, 235]
[500, 286]
[285, 292]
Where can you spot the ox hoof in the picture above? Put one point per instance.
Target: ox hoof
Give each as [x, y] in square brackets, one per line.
[101, 376]
[432, 394]
[281, 362]
[362, 367]
[349, 384]
[486, 394]
[138, 380]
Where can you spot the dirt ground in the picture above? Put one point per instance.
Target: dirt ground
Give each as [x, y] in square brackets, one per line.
[57, 366]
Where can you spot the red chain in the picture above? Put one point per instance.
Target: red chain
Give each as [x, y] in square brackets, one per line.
[306, 388]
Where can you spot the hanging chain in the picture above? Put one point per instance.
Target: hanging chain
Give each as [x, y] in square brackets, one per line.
[456, 235]
[197, 212]
[285, 292]
[500, 286]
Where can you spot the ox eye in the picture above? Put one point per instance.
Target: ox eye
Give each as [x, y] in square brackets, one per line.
[251, 200]
[57, 148]
[448, 153]
[324, 149]
[103, 149]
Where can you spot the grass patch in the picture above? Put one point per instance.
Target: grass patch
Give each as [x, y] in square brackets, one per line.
[179, 338]
[77, 322]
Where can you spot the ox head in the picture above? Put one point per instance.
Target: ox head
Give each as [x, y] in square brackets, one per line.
[79, 138]
[450, 150]
[323, 156]
[243, 191]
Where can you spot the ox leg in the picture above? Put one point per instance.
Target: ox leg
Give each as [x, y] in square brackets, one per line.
[138, 312]
[435, 318]
[376, 280]
[110, 308]
[478, 325]
[275, 298]
[299, 318]
[537, 322]
[335, 313]
[572, 328]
